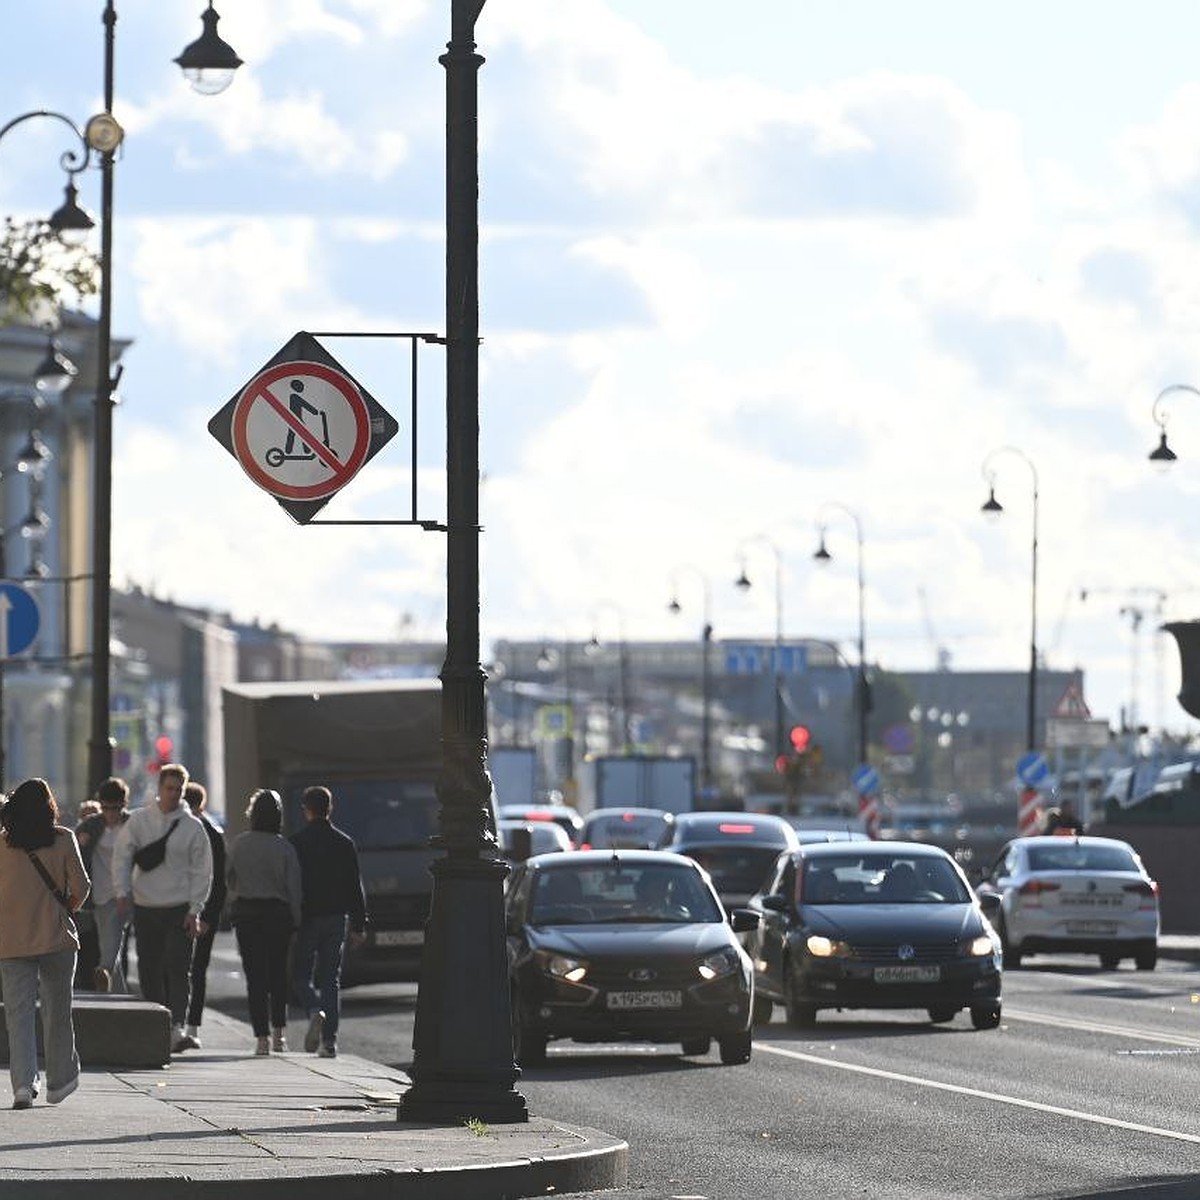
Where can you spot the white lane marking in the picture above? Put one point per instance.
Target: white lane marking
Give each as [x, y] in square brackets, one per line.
[995, 1097]
[1145, 1035]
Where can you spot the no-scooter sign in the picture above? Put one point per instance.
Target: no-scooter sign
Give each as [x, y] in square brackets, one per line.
[302, 427]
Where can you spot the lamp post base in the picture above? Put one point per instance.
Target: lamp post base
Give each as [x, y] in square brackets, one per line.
[463, 1064]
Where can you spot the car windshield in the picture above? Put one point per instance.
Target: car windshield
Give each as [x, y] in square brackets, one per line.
[881, 879]
[615, 893]
[1081, 856]
[735, 868]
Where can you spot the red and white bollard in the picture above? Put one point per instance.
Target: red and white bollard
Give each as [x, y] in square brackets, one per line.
[1029, 812]
[868, 810]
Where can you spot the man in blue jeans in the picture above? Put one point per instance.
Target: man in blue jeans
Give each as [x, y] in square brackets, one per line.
[333, 900]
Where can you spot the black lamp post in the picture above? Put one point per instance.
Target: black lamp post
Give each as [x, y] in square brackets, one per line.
[991, 507]
[593, 647]
[1162, 456]
[743, 582]
[462, 1041]
[706, 632]
[822, 555]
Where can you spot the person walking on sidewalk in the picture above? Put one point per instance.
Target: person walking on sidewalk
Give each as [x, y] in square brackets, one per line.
[333, 898]
[162, 868]
[263, 877]
[97, 841]
[196, 797]
[42, 882]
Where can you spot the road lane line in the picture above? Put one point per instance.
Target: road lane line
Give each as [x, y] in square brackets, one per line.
[996, 1097]
[1145, 1035]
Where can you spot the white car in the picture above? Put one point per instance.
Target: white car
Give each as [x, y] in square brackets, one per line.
[1086, 895]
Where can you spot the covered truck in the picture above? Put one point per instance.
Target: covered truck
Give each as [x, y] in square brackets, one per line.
[376, 744]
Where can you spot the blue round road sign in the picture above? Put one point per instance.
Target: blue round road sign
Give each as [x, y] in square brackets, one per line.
[19, 619]
[1032, 768]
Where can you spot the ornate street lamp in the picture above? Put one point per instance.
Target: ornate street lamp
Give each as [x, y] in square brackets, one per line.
[706, 632]
[992, 507]
[1162, 456]
[744, 583]
[594, 646]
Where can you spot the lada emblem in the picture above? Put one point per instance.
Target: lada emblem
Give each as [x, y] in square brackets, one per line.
[641, 975]
[906, 952]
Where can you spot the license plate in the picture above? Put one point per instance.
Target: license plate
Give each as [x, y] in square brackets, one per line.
[645, 1000]
[907, 974]
[399, 937]
[1089, 900]
[1099, 927]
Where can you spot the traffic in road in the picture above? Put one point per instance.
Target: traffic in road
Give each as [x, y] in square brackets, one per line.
[1086, 1088]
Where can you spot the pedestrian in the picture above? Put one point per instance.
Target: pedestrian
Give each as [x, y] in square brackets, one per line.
[98, 840]
[87, 961]
[42, 882]
[162, 868]
[263, 876]
[333, 900]
[196, 797]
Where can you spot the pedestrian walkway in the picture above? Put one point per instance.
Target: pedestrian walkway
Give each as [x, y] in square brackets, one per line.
[220, 1122]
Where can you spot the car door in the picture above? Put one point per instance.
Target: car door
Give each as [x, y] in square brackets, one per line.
[778, 910]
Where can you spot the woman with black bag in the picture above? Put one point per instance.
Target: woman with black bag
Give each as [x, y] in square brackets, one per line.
[42, 882]
[263, 875]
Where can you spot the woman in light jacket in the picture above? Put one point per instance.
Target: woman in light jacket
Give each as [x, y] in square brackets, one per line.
[263, 875]
[38, 941]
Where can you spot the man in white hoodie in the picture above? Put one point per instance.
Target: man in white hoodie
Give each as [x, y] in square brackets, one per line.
[166, 899]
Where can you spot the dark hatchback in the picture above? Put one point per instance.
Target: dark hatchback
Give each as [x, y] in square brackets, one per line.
[625, 945]
[737, 849]
[873, 925]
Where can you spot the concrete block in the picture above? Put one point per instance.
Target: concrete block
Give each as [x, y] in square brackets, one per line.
[114, 1031]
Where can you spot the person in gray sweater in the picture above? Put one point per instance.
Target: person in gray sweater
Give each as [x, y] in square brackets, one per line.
[263, 877]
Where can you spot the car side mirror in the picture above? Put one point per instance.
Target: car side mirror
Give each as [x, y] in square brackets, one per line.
[990, 902]
[744, 920]
[774, 903]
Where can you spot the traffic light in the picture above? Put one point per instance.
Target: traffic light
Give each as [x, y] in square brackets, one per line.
[163, 749]
[800, 736]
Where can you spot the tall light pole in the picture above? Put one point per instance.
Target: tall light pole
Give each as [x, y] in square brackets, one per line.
[593, 647]
[1162, 455]
[743, 582]
[991, 507]
[706, 632]
[462, 1041]
[822, 555]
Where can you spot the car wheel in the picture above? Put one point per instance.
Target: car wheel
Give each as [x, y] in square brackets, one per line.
[942, 1014]
[763, 1008]
[1012, 956]
[1110, 962]
[735, 1049]
[529, 1046]
[1147, 959]
[799, 1014]
[695, 1047]
[985, 1016]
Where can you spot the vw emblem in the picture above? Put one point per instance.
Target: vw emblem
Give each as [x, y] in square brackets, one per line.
[641, 975]
[906, 952]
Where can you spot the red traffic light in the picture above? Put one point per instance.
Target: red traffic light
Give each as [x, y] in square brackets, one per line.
[799, 737]
[163, 747]
[782, 762]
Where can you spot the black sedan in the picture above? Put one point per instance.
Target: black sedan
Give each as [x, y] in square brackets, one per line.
[625, 945]
[873, 925]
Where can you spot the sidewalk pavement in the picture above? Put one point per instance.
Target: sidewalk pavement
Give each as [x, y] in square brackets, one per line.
[221, 1122]
[1179, 947]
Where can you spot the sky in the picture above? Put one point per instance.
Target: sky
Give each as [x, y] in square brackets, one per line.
[743, 270]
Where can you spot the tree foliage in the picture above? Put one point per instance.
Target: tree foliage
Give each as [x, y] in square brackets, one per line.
[38, 270]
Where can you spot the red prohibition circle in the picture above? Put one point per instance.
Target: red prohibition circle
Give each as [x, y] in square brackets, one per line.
[341, 471]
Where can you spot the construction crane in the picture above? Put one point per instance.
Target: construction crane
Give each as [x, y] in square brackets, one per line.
[1136, 614]
[941, 653]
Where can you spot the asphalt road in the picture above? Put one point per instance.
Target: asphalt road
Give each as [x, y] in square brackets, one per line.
[1087, 1089]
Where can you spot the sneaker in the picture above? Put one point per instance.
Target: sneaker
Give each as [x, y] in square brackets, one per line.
[184, 1041]
[316, 1026]
[58, 1095]
[262, 1046]
[327, 1050]
[101, 980]
[23, 1098]
[279, 1043]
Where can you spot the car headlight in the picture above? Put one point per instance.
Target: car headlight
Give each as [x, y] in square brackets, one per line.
[823, 947]
[723, 962]
[980, 947]
[573, 970]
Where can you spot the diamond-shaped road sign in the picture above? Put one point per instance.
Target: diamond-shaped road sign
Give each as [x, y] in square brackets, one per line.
[303, 427]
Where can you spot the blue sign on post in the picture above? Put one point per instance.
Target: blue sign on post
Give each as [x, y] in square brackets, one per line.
[865, 780]
[1032, 769]
[19, 619]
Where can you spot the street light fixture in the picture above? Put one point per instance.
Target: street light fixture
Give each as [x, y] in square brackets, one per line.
[744, 583]
[823, 557]
[706, 632]
[1162, 456]
[593, 647]
[993, 508]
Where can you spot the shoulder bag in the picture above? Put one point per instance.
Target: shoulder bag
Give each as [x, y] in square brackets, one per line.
[55, 891]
